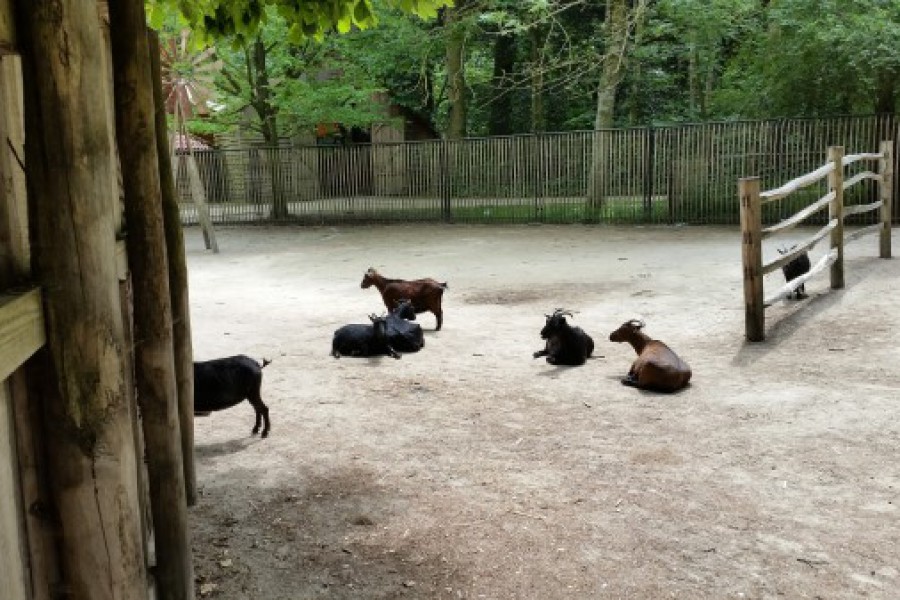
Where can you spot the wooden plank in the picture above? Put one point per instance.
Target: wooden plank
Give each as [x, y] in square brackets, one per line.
[15, 581]
[793, 284]
[21, 329]
[798, 217]
[13, 210]
[33, 476]
[121, 260]
[861, 176]
[876, 228]
[798, 183]
[7, 28]
[861, 208]
[804, 246]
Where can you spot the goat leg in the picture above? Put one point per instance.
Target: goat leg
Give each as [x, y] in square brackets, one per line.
[540, 353]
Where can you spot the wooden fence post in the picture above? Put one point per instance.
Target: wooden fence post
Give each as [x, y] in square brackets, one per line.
[79, 377]
[886, 189]
[178, 280]
[154, 354]
[836, 211]
[751, 236]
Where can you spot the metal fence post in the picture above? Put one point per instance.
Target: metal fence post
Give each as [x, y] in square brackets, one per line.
[446, 214]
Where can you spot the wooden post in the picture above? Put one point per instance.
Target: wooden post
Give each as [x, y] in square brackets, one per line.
[178, 282]
[80, 375]
[15, 268]
[751, 235]
[198, 192]
[146, 243]
[836, 211]
[886, 193]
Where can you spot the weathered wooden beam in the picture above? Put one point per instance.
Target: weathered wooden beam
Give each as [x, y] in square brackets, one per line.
[793, 284]
[40, 524]
[154, 360]
[80, 374]
[799, 217]
[836, 211]
[860, 177]
[751, 239]
[849, 159]
[14, 252]
[861, 208]
[21, 329]
[8, 44]
[15, 582]
[804, 246]
[178, 281]
[795, 184]
[886, 194]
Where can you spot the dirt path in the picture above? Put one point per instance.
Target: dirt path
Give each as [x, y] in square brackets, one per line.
[471, 470]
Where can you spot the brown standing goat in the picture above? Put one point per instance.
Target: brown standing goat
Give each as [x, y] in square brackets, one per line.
[424, 294]
[656, 368]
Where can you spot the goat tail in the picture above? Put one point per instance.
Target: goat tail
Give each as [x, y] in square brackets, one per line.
[445, 286]
[265, 362]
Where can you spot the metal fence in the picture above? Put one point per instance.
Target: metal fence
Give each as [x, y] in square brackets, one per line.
[674, 174]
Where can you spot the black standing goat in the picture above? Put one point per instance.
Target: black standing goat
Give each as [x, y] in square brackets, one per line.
[404, 336]
[794, 269]
[566, 345]
[223, 382]
[363, 340]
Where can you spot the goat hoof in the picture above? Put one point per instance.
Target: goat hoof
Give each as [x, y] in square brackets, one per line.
[265, 434]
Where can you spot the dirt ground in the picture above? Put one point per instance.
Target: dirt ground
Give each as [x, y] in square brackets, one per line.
[471, 470]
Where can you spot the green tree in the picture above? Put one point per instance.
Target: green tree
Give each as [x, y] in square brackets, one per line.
[816, 57]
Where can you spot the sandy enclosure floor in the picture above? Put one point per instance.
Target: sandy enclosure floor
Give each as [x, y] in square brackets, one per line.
[471, 470]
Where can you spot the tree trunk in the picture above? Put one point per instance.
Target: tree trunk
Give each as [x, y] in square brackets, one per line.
[456, 73]
[538, 114]
[617, 37]
[154, 355]
[262, 103]
[178, 281]
[501, 105]
[72, 202]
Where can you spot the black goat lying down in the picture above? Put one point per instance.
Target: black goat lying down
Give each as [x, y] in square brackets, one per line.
[794, 269]
[363, 340]
[566, 345]
[404, 336]
[223, 382]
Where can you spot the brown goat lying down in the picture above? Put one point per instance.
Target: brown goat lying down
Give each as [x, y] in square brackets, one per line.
[656, 368]
[424, 294]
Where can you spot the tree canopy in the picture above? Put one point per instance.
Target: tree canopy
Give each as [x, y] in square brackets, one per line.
[241, 19]
[480, 67]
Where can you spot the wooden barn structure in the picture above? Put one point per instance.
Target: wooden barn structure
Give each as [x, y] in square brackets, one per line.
[96, 448]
